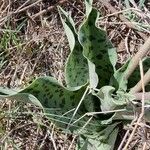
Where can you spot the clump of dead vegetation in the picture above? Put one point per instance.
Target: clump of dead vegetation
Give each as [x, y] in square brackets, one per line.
[33, 43]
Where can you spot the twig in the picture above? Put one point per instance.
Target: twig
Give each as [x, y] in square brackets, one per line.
[44, 139]
[23, 73]
[143, 87]
[26, 2]
[97, 113]
[114, 11]
[123, 140]
[19, 10]
[142, 110]
[143, 101]
[27, 7]
[125, 137]
[31, 5]
[135, 60]
[138, 96]
[144, 146]
[138, 87]
[16, 128]
[132, 134]
[48, 9]
[53, 141]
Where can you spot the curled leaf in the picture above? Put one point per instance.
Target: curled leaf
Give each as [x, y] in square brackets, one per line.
[97, 48]
[76, 68]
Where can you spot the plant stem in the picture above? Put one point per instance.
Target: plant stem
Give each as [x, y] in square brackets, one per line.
[138, 96]
[135, 60]
[138, 87]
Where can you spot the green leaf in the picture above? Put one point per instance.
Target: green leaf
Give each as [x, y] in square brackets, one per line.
[108, 103]
[7, 91]
[120, 82]
[24, 97]
[97, 48]
[103, 140]
[76, 68]
[57, 101]
[88, 6]
[82, 143]
[92, 75]
[53, 95]
[109, 145]
[69, 27]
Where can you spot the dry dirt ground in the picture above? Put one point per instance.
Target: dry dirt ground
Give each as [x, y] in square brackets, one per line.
[33, 43]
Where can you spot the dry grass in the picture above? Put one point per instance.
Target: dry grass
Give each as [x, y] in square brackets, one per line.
[33, 43]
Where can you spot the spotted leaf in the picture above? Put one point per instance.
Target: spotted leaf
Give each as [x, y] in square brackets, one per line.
[97, 48]
[76, 68]
[58, 102]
